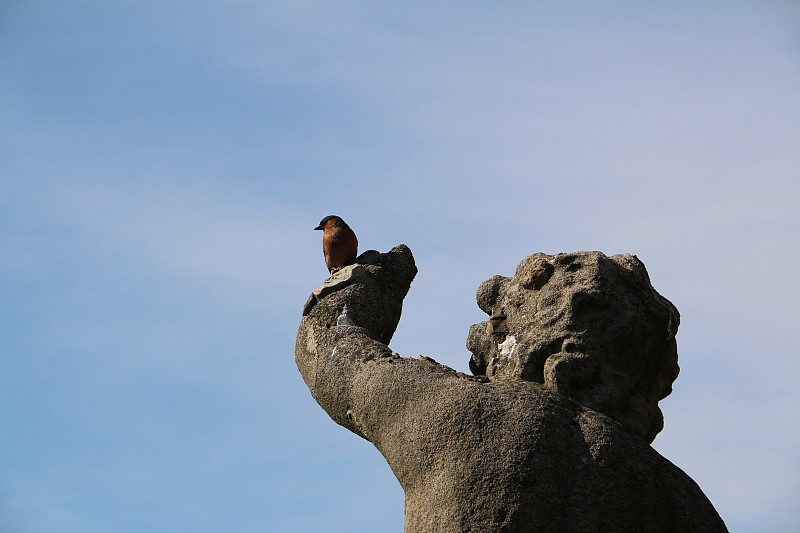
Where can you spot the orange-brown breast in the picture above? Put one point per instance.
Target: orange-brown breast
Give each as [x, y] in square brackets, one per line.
[340, 246]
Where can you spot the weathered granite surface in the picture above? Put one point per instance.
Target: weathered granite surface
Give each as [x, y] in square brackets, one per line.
[551, 435]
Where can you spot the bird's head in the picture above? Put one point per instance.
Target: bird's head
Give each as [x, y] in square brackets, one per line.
[331, 221]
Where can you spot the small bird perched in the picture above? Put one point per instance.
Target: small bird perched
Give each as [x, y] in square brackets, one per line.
[339, 243]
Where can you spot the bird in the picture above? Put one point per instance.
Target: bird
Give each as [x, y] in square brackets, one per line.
[339, 243]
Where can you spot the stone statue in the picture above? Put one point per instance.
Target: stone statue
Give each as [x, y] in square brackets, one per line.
[552, 431]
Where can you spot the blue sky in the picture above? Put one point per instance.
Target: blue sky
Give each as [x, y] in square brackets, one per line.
[163, 163]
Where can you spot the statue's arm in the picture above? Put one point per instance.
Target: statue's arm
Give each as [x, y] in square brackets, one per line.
[341, 347]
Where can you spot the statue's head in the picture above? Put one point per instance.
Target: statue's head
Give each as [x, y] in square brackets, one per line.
[586, 325]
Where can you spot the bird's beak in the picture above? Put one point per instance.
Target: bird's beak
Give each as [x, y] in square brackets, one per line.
[319, 227]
